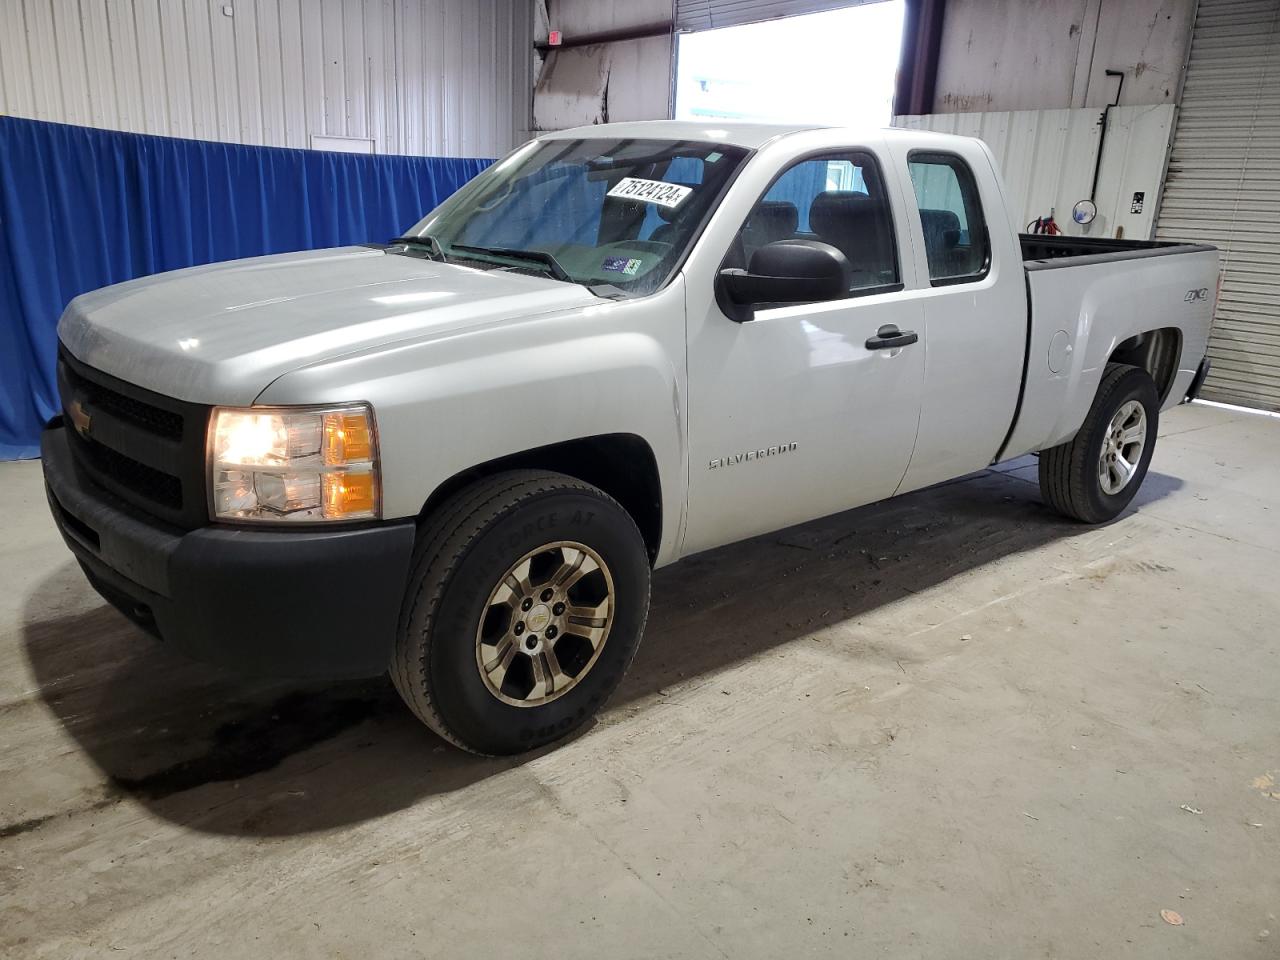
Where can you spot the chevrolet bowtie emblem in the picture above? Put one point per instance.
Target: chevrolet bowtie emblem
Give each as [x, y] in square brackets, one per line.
[80, 418]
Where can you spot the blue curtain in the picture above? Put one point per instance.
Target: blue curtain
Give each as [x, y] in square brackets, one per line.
[83, 208]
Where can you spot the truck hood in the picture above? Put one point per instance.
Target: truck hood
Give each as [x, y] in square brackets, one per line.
[221, 333]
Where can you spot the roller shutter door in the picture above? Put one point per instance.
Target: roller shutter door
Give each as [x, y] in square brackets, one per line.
[1223, 187]
[709, 14]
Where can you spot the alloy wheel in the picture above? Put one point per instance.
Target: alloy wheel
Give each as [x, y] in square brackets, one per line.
[545, 624]
[1122, 447]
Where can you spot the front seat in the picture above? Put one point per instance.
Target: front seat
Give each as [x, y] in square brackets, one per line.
[770, 220]
[855, 225]
[665, 232]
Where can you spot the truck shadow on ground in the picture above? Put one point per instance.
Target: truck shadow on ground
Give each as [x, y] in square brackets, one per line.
[219, 754]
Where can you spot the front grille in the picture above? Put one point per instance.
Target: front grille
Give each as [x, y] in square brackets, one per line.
[163, 423]
[145, 448]
[147, 482]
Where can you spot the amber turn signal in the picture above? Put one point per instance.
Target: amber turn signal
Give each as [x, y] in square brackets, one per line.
[347, 438]
[349, 495]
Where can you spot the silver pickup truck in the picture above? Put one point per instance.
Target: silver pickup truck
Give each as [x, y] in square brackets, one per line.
[457, 456]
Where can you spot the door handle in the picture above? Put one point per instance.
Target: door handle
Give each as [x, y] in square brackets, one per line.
[889, 336]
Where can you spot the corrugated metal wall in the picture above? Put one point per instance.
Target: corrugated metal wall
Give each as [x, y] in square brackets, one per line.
[1224, 188]
[437, 77]
[1047, 158]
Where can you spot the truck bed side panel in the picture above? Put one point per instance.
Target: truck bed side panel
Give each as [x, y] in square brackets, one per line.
[1080, 313]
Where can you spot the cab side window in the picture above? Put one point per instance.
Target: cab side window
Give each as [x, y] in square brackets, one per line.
[838, 199]
[955, 233]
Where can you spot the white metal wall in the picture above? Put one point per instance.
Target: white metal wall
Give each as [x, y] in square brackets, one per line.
[1047, 158]
[437, 77]
[1224, 188]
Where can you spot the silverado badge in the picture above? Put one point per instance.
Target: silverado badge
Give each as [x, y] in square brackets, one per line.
[749, 455]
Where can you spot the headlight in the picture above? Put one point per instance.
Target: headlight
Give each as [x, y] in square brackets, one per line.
[294, 463]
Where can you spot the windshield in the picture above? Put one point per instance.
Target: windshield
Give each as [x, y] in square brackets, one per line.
[596, 211]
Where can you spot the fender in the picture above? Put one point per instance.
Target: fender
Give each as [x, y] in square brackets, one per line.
[449, 404]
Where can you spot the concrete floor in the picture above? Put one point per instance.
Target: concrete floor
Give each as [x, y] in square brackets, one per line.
[951, 725]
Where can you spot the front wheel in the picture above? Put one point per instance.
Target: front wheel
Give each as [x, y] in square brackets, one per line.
[525, 605]
[1095, 475]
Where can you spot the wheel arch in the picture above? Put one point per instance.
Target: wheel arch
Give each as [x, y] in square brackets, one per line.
[623, 465]
[1156, 351]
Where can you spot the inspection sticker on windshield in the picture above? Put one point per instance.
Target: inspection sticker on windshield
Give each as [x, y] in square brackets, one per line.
[630, 266]
[650, 191]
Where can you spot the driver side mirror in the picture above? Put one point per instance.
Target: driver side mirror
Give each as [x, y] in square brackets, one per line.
[785, 271]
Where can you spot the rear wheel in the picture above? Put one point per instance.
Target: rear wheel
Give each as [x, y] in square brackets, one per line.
[526, 602]
[1095, 475]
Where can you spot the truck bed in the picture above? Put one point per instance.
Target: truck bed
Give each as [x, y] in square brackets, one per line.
[1039, 251]
[1112, 292]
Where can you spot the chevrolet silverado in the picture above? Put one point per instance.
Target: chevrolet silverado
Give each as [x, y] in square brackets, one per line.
[457, 456]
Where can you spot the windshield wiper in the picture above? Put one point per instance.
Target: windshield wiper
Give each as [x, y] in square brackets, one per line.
[540, 257]
[435, 251]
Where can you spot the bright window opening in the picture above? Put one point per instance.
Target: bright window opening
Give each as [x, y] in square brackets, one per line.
[834, 68]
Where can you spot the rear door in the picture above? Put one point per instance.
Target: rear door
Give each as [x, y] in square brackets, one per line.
[973, 300]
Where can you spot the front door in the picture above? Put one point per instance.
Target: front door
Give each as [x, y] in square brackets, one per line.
[797, 413]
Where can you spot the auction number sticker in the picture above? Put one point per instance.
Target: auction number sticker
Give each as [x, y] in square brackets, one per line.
[650, 191]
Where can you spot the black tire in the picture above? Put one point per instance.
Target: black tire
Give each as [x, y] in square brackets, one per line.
[1069, 475]
[462, 552]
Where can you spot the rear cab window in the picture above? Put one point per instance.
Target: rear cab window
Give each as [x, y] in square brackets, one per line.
[956, 241]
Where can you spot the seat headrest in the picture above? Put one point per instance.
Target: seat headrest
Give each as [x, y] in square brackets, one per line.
[669, 213]
[941, 227]
[860, 228]
[836, 212]
[775, 219]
